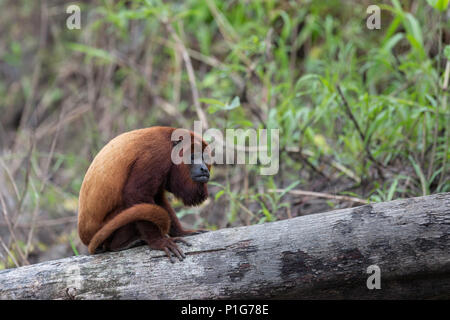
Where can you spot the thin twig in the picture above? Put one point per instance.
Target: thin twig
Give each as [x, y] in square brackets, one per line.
[46, 223]
[10, 177]
[361, 134]
[10, 228]
[331, 162]
[28, 108]
[246, 210]
[350, 113]
[446, 76]
[50, 127]
[27, 179]
[312, 166]
[9, 253]
[191, 75]
[44, 181]
[166, 106]
[230, 35]
[435, 138]
[444, 104]
[321, 195]
[436, 109]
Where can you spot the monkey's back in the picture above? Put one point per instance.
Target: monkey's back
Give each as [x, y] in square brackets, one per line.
[101, 190]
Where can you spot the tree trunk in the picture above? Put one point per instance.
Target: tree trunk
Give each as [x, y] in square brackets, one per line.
[323, 255]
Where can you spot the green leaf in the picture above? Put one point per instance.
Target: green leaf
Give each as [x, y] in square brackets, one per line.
[440, 5]
[212, 101]
[416, 32]
[216, 184]
[74, 249]
[447, 52]
[216, 105]
[392, 190]
[289, 188]
[423, 181]
[236, 102]
[219, 194]
[91, 51]
[243, 123]
[266, 213]
[213, 108]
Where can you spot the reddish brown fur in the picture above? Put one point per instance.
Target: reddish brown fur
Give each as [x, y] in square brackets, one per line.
[125, 185]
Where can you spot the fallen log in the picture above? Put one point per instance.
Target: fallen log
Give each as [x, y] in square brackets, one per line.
[403, 244]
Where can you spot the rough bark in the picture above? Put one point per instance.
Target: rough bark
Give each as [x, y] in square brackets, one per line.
[324, 255]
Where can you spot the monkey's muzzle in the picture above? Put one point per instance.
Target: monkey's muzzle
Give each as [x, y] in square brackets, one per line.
[199, 172]
[203, 178]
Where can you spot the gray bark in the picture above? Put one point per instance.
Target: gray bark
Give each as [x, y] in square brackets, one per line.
[323, 255]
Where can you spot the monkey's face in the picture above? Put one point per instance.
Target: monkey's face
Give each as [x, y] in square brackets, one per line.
[188, 178]
[188, 181]
[198, 169]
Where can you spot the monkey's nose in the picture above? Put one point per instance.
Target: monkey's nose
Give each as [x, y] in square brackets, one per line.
[204, 170]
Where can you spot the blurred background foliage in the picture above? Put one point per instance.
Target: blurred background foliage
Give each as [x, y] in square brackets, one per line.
[363, 114]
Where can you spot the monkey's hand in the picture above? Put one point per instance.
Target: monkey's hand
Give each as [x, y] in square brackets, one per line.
[168, 245]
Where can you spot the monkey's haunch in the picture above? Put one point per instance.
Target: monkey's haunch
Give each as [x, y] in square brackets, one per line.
[139, 212]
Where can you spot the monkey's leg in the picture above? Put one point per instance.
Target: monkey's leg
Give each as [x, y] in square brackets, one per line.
[151, 234]
[123, 238]
[176, 230]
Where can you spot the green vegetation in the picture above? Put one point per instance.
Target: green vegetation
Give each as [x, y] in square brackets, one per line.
[362, 113]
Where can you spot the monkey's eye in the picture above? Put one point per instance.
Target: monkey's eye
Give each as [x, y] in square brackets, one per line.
[196, 156]
[206, 158]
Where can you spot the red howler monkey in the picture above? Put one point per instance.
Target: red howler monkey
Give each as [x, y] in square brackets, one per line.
[122, 199]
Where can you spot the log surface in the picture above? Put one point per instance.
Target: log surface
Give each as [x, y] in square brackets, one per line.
[317, 256]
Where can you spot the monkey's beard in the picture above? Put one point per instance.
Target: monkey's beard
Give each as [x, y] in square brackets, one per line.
[190, 192]
[193, 194]
[197, 195]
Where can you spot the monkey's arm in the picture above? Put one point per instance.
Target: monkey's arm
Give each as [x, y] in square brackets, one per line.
[176, 230]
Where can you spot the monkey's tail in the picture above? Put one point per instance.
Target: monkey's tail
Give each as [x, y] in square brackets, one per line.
[143, 211]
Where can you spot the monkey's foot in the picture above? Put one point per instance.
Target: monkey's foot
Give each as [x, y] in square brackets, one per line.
[169, 246]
